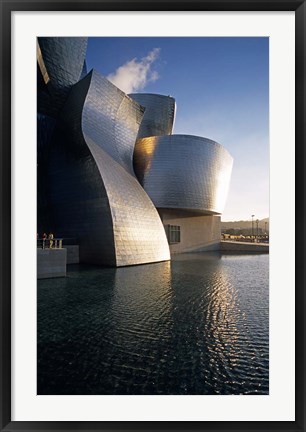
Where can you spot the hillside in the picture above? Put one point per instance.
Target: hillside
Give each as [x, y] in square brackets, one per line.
[244, 224]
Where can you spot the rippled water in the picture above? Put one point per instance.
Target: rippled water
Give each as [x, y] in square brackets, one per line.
[195, 325]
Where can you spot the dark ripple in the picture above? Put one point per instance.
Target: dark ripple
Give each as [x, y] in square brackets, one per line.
[197, 325]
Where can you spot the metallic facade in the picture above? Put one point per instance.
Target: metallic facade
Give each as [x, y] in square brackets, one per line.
[87, 160]
[60, 62]
[95, 195]
[63, 59]
[184, 172]
[110, 123]
[60, 65]
[159, 114]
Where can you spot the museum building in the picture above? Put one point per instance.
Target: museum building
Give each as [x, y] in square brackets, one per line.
[110, 171]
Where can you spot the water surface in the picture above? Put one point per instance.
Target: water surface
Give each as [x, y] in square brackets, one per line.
[196, 325]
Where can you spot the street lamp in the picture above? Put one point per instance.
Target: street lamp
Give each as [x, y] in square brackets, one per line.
[252, 225]
[257, 222]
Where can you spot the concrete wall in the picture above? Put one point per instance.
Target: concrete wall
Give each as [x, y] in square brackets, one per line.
[72, 254]
[198, 233]
[51, 263]
[232, 246]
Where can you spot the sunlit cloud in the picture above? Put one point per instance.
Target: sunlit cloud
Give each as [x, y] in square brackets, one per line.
[134, 75]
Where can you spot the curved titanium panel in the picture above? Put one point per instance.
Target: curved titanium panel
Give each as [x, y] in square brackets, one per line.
[159, 115]
[63, 59]
[139, 235]
[118, 220]
[78, 200]
[61, 62]
[184, 172]
[111, 119]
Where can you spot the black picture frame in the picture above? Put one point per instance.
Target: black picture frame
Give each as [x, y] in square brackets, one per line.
[6, 8]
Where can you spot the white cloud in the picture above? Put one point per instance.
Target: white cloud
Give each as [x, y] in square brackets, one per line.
[134, 75]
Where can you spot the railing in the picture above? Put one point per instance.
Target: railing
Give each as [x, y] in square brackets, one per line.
[55, 243]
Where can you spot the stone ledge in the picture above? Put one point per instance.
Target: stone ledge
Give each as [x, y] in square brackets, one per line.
[51, 263]
[232, 246]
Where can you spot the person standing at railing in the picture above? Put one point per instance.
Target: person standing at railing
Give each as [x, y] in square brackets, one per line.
[51, 237]
[44, 238]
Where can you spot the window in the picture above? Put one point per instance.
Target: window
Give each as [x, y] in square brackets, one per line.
[173, 233]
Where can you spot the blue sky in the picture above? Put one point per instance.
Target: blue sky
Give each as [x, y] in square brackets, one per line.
[221, 87]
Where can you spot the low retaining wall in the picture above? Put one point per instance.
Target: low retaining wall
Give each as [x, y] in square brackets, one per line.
[210, 247]
[51, 263]
[234, 246]
[73, 256]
